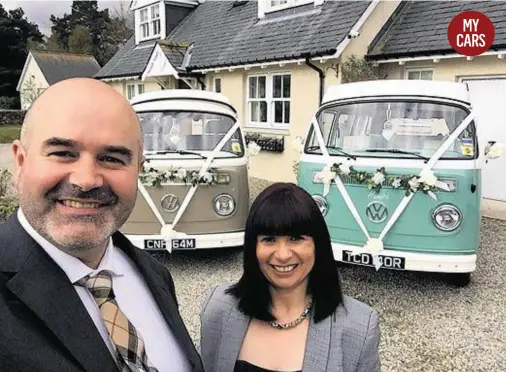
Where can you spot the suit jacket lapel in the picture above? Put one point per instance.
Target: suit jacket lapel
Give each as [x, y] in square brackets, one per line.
[44, 288]
[232, 337]
[321, 347]
[159, 288]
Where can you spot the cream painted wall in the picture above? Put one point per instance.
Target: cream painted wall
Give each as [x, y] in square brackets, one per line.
[304, 103]
[358, 46]
[453, 68]
[120, 86]
[39, 82]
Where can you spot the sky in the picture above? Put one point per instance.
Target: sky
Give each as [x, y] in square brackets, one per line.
[39, 11]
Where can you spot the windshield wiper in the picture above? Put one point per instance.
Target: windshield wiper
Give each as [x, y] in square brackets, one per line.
[397, 151]
[339, 149]
[182, 152]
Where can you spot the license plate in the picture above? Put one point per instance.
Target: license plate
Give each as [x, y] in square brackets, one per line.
[387, 262]
[161, 244]
[187, 243]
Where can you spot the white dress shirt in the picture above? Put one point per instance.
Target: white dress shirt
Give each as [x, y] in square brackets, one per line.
[132, 294]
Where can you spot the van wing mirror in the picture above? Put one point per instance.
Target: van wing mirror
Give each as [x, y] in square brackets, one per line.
[298, 143]
[493, 150]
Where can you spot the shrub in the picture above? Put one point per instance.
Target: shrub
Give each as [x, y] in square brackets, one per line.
[12, 117]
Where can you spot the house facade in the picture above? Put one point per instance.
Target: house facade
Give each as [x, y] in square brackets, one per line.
[272, 59]
[43, 69]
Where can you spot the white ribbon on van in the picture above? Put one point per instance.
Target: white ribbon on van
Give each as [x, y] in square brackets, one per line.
[167, 231]
[375, 245]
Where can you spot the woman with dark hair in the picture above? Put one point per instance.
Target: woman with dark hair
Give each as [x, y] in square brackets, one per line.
[287, 311]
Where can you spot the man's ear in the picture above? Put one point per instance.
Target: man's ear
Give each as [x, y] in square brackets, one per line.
[19, 155]
[141, 162]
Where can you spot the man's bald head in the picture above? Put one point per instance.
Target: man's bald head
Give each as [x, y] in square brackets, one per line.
[72, 96]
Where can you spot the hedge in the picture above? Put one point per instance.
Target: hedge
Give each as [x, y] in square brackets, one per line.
[12, 117]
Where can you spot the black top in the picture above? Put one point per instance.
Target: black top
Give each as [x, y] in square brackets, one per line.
[243, 366]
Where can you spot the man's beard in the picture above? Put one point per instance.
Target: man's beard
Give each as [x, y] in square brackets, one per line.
[43, 216]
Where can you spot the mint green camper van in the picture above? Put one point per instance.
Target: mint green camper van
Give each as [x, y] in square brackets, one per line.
[395, 167]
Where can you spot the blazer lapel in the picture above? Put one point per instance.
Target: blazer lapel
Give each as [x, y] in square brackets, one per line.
[44, 288]
[161, 293]
[321, 350]
[231, 340]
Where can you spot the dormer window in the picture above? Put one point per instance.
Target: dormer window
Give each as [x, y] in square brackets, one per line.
[273, 5]
[149, 22]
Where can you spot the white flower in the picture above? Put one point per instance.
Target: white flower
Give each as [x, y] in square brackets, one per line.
[327, 175]
[413, 183]
[345, 169]
[396, 183]
[168, 232]
[253, 148]
[494, 151]
[208, 177]
[427, 176]
[181, 173]
[378, 178]
[374, 245]
[168, 174]
[298, 144]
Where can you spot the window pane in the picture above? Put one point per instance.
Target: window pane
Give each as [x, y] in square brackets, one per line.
[413, 75]
[286, 86]
[278, 112]
[217, 85]
[276, 86]
[254, 111]
[261, 87]
[263, 112]
[253, 87]
[156, 27]
[287, 112]
[140, 88]
[426, 75]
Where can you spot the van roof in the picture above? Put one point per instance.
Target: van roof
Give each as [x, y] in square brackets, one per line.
[182, 94]
[415, 88]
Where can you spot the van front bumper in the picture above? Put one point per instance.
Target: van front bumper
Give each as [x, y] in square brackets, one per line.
[187, 242]
[398, 260]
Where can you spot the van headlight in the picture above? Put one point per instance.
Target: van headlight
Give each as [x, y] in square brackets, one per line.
[322, 204]
[224, 204]
[447, 217]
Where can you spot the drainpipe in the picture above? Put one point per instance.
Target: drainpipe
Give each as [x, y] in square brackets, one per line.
[322, 77]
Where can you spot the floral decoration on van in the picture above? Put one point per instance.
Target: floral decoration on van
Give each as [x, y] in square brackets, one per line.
[154, 177]
[426, 182]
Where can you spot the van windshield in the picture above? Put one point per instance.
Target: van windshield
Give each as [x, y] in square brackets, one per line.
[393, 129]
[168, 132]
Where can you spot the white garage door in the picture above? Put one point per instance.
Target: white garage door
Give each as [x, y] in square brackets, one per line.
[488, 96]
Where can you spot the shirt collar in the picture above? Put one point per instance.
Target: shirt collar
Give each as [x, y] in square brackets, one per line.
[73, 267]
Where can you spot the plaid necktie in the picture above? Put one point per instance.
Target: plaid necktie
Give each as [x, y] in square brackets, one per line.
[129, 345]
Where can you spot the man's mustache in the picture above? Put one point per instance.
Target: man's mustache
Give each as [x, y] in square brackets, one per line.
[65, 190]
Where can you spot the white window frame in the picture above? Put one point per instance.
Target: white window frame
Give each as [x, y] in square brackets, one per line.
[289, 4]
[137, 89]
[419, 70]
[214, 84]
[270, 100]
[150, 21]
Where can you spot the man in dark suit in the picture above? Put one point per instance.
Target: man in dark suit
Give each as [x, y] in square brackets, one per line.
[75, 294]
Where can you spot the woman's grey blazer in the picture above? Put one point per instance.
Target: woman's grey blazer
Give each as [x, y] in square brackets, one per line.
[345, 342]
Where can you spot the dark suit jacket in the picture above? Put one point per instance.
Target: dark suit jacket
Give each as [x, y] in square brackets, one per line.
[44, 326]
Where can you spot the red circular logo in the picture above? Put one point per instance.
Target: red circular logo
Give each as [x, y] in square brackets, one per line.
[471, 33]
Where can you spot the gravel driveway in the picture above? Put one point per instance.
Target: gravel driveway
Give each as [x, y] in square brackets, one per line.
[426, 324]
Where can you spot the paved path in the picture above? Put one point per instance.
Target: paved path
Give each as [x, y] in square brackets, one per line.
[6, 157]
